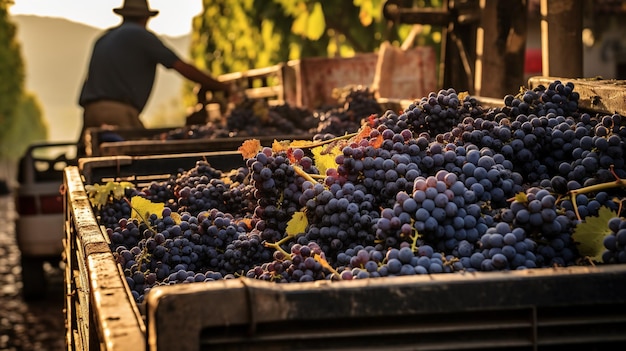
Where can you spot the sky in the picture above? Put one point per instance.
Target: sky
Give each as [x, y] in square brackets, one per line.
[174, 18]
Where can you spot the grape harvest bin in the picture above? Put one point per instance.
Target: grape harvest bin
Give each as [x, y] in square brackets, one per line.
[539, 309]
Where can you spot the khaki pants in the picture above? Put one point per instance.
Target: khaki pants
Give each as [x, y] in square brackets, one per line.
[107, 113]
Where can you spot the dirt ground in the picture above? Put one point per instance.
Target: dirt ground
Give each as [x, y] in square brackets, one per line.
[33, 325]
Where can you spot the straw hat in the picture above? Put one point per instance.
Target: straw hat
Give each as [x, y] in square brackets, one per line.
[135, 8]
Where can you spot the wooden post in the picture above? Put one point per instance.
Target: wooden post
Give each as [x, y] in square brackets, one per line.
[561, 38]
[500, 48]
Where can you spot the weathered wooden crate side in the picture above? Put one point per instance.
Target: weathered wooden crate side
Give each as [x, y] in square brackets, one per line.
[103, 312]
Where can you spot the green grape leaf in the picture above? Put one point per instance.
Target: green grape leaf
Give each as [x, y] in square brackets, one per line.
[142, 208]
[590, 234]
[99, 195]
[297, 224]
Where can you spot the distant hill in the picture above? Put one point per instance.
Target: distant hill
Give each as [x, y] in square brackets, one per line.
[56, 53]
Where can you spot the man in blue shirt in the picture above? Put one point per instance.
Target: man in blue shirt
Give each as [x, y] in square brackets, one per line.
[122, 70]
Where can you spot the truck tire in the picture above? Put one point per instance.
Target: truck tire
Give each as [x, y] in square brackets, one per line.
[33, 278]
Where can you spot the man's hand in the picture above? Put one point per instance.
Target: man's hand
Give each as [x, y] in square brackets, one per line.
[201, 93]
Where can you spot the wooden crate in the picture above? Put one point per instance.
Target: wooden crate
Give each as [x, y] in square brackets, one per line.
[313, 79]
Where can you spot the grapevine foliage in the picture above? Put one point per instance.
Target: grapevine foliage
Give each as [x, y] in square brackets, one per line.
[100, 195]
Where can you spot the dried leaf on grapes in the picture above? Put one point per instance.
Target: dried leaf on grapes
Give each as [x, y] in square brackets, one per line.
[286, 145]
[250, 148]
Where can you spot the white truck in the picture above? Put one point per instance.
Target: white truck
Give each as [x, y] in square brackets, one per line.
[39, 205]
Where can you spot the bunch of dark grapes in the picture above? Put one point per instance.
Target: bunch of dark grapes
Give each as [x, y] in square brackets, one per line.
[557, 98]
[438, 112]
[383, 169]
[126, 232]
[537, 213]
[358, 101]
[615, 243]
[112, 212]
[245, 117]
[503, 248]
[355, 104]
[160, 192]
[277, 190]
[300, 266]
[211, 242]
[256, 117]
[301, 118]
[405, 260]
[360, 262]
[199, 188]
[444, 211]
[339, 217]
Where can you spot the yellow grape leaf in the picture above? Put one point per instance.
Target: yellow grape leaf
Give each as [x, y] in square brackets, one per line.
[521, 197]
[176, 217]
[118, 191]
[250, 148]
[142, 208]
[463, 95]
[325, 160]
[297, 224]
[590, 234]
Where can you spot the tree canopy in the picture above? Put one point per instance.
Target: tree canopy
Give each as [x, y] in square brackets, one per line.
[239, 35]
[11, 70]
[21, 121]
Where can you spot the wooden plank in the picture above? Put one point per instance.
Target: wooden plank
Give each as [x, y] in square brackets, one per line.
[598, 95]
[561, 38]
[118, 320]
[155, 147]
[500, 48]
[108, 315]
